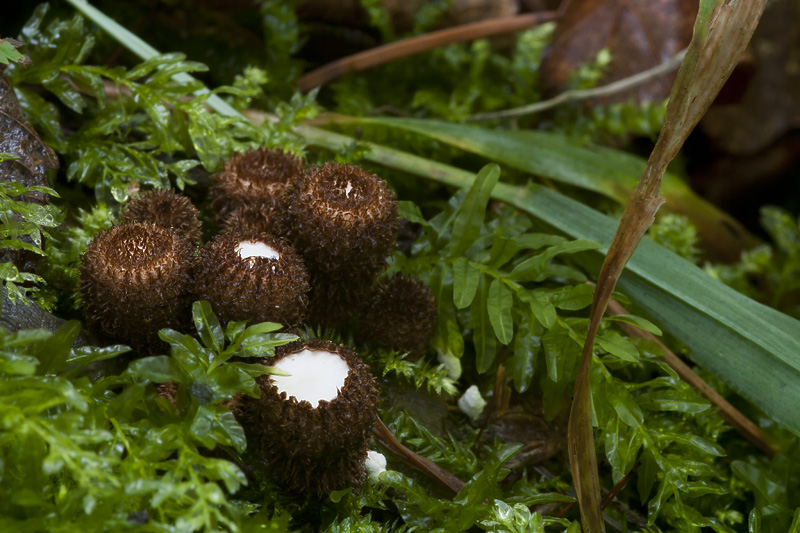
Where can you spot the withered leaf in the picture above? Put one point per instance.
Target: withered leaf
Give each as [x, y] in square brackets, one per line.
[33, 159]
[640, 34]
[770, 105]
[17, 137]
[540, 440]
[722, 31]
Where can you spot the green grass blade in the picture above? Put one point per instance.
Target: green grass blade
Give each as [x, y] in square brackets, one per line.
[467, 225]
[498, 306]
[607, 171]
[144, 50]
[544, 154]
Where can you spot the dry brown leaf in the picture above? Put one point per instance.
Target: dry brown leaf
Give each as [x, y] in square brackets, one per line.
[17, 137]
[640, 34]
[722, 31]
[770, 105]
[402, 12]
[540, 440]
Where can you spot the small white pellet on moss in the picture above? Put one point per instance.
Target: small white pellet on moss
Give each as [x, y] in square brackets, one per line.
[472, 403]
[452, 364]
[375, 464]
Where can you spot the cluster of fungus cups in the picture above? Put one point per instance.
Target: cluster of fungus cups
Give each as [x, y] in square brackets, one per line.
[341, 220]
[313, 426]
[295, 246]
[140, 276]
[248, 272]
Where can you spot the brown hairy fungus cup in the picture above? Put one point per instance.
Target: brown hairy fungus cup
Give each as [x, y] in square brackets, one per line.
[251, 276]
[313, 427]
[134, 280]
[167, 209]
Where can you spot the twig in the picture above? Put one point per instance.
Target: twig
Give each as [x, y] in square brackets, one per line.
[609, 498]
[733, 416]
[500, 399]
[415, 45]
[610, 495]
[721, 32]
[384, 435]
[584, 94]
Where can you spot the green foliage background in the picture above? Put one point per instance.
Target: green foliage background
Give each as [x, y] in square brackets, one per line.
[86, 444]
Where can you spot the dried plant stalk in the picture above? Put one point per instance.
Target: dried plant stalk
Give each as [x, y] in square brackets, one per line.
[722, 30]
[746, 427]
[422, 43]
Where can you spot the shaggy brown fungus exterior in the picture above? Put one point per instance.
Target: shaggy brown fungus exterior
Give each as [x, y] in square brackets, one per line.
[313, 427]
[336, 303]
[167, 209]
[134, 280]
[255, 177]
[254, 217]
[342, 220]
[251, 276]
[400, 314]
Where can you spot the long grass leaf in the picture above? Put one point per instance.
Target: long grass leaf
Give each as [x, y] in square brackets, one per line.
[470, 215]
[498, 305]
[606, 171]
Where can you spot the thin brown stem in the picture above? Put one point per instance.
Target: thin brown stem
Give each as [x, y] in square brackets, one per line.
[423, 43]
[384, 435]
[610, 495]
[733, 416]
[576, 95]
[500, 398]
